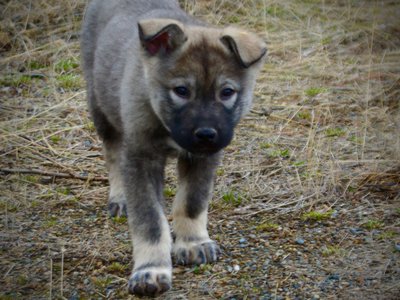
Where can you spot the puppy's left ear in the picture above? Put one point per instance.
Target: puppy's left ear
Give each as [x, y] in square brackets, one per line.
[247, 47]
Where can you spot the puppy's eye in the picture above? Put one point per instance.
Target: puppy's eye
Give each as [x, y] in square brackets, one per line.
[182, 92]
[227, 93]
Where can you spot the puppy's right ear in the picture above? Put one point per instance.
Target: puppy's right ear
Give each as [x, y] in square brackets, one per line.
[161, 36]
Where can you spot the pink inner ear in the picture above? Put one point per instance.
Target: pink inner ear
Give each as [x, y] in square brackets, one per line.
[156, 43]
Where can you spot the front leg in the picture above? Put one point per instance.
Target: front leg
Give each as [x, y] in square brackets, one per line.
[192, 243]
[143, 180]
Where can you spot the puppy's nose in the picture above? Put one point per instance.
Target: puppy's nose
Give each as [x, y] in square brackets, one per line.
[206, 134]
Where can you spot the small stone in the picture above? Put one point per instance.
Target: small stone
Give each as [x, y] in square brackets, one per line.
[334, 277]
[368, 239]
[87, 144]
[300, 241]
[74, 296]
[236, 268]
[397, 247]
[230, 269]
[355, 231]
[242, 241]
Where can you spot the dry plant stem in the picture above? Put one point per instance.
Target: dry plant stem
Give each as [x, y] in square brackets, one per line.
[323, 136]
[54, 174]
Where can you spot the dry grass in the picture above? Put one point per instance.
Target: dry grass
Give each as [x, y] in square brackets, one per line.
[322, 140]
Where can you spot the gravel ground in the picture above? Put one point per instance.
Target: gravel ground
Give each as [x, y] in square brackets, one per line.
[307, 199]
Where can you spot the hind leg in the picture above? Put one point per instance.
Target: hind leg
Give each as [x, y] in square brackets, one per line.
[112, 150]
[116, 199]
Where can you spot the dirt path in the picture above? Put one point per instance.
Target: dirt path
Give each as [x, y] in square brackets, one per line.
[307, 200]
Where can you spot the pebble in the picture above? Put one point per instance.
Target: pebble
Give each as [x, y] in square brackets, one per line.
[87, 144]
[334, 277]
[236, 268]
[368, 240]
[74, 296]
[242, 241]
[356, 230]
[300, 241]
[397, 247]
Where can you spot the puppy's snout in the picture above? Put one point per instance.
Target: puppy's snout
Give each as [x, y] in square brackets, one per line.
[206, 134]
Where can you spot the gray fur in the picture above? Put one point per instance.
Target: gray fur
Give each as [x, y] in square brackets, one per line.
[130, 61]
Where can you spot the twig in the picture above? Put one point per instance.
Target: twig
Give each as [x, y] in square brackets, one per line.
[54, 174]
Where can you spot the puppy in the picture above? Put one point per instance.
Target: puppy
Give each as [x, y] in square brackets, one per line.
[160, 82]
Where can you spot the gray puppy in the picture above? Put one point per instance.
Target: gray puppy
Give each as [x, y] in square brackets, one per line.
[158, 83]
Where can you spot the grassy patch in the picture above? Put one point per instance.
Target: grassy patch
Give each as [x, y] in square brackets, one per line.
[31, 178]
[50, 222]
[101, 282]
[232, 198]
[15, 80]
[169, 192]
[220, 171]
[317, 216]
[7, 206]
[69, 81]
[282, 153]
[315, 91]
[36, 65]
[304, 115]
[35, 203]
[387, 235]
[66, 65]
[64, 190]
[55, 139]
[299, 163]
[332, 251]
[202, 269]
[89, 126]
[352, 189]
[22, 280]
[356, 140]
[335, 132]
[265, 145]
[373, 224]
[119, 220]
[116, 267]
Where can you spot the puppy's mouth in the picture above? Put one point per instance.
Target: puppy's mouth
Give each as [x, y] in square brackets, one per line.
[199, 148]
[204, 148]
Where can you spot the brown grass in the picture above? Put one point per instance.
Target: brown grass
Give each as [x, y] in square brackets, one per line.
[323, 136]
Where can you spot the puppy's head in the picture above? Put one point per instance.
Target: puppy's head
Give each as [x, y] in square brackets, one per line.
[201, 80]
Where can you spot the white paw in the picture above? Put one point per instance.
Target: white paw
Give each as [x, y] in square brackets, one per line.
[150, 281]
[195, 252]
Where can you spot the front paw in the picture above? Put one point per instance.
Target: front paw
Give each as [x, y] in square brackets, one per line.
[117, 206]
[150, 281]
[195, 253]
